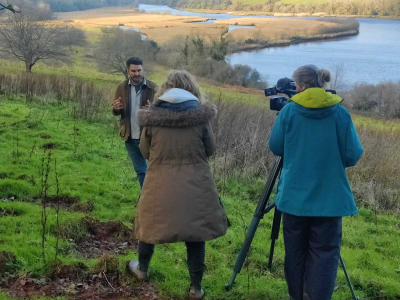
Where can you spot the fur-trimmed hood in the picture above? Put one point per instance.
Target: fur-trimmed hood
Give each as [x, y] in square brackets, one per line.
[166, 118]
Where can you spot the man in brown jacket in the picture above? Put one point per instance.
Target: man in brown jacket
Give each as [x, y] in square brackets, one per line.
[132, 94]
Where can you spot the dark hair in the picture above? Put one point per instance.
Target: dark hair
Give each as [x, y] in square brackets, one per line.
[134, 61]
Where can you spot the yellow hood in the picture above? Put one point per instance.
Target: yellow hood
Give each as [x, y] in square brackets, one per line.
[316, 98]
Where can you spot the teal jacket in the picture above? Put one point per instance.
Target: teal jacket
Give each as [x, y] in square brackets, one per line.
[318, 140]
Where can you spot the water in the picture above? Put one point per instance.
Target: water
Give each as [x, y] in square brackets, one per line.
[372, 56]
[233, 27]
[165, 9]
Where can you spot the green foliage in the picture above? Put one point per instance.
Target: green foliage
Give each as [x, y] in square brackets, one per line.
[206, 58]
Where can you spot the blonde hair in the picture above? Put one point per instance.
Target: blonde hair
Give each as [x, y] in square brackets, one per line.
[311, 76]
[181, 79]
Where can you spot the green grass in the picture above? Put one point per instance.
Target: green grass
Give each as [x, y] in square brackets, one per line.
[96, 167]
[383, 125]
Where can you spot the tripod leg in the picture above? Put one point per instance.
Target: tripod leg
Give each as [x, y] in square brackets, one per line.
[274, 234]
[348, 279]
[243, 251]
[262, 208]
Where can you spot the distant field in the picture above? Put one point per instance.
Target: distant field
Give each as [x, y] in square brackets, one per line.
[113, 16]
[163, 27]
[270, 30]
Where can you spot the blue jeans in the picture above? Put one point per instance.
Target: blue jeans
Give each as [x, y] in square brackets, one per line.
[138, 161]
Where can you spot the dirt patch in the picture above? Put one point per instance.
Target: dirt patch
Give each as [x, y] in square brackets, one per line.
[94, 288]
[49, 146]
[6, 261]
[84, 207]
[75, 272]
[66, 202]
[4, 212]
[105, 238]
[92, 238]
[28, 178]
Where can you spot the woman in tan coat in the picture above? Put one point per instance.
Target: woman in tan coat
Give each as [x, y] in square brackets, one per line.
[179, 201]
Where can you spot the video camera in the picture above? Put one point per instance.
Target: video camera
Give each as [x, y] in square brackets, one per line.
[283, 86]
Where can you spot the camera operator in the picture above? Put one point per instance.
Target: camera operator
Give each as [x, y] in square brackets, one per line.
[317, 138]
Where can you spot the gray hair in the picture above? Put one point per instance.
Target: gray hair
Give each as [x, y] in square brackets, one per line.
[311, 76]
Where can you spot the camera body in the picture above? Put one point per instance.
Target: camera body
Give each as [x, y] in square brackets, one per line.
[285, 86]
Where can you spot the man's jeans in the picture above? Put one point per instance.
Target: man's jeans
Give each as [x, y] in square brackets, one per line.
[138, 161]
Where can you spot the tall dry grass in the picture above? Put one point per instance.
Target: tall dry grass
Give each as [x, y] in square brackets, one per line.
[242, 133]
[341, 25]
[375, 179]
[382, 99]
[86, 100]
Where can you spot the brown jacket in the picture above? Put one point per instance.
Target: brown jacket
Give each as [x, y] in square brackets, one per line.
[124, 91]
[179, 200]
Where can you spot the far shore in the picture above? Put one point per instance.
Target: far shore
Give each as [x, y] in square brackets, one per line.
[266, 33]
[272, 14]
[239, 47]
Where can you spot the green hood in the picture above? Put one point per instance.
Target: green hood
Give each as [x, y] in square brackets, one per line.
[316, 98]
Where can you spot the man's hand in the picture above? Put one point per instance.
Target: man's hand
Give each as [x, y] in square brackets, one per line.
[147, 106]
[117, 104]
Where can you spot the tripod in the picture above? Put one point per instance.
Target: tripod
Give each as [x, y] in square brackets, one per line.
[262, 208]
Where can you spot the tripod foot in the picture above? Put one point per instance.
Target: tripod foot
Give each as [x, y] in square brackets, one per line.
[228, 287]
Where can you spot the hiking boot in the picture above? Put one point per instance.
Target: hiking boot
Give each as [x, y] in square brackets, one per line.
[196, 294]
[133, 267]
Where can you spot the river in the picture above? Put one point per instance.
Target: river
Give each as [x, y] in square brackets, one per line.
[372, 56]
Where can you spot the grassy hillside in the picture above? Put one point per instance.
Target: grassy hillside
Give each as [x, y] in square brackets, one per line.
[93, 168]
[98, 191]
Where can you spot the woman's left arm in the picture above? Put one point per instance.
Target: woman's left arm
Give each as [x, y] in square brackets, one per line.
[145, 142]
[208, 140]
[277, 137]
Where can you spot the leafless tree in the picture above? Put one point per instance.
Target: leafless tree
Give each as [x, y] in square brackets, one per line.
[117, 45]
[8, 7]
[338, 77]
[25, 37]
[72, 36]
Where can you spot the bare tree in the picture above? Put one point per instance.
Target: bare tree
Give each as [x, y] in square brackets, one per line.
[72, 36]
[8, 7]
[25, 37]
[338, 77]
[117, 45]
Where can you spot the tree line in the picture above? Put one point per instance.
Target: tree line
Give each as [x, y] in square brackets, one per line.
[72, 5]
[382, 8]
